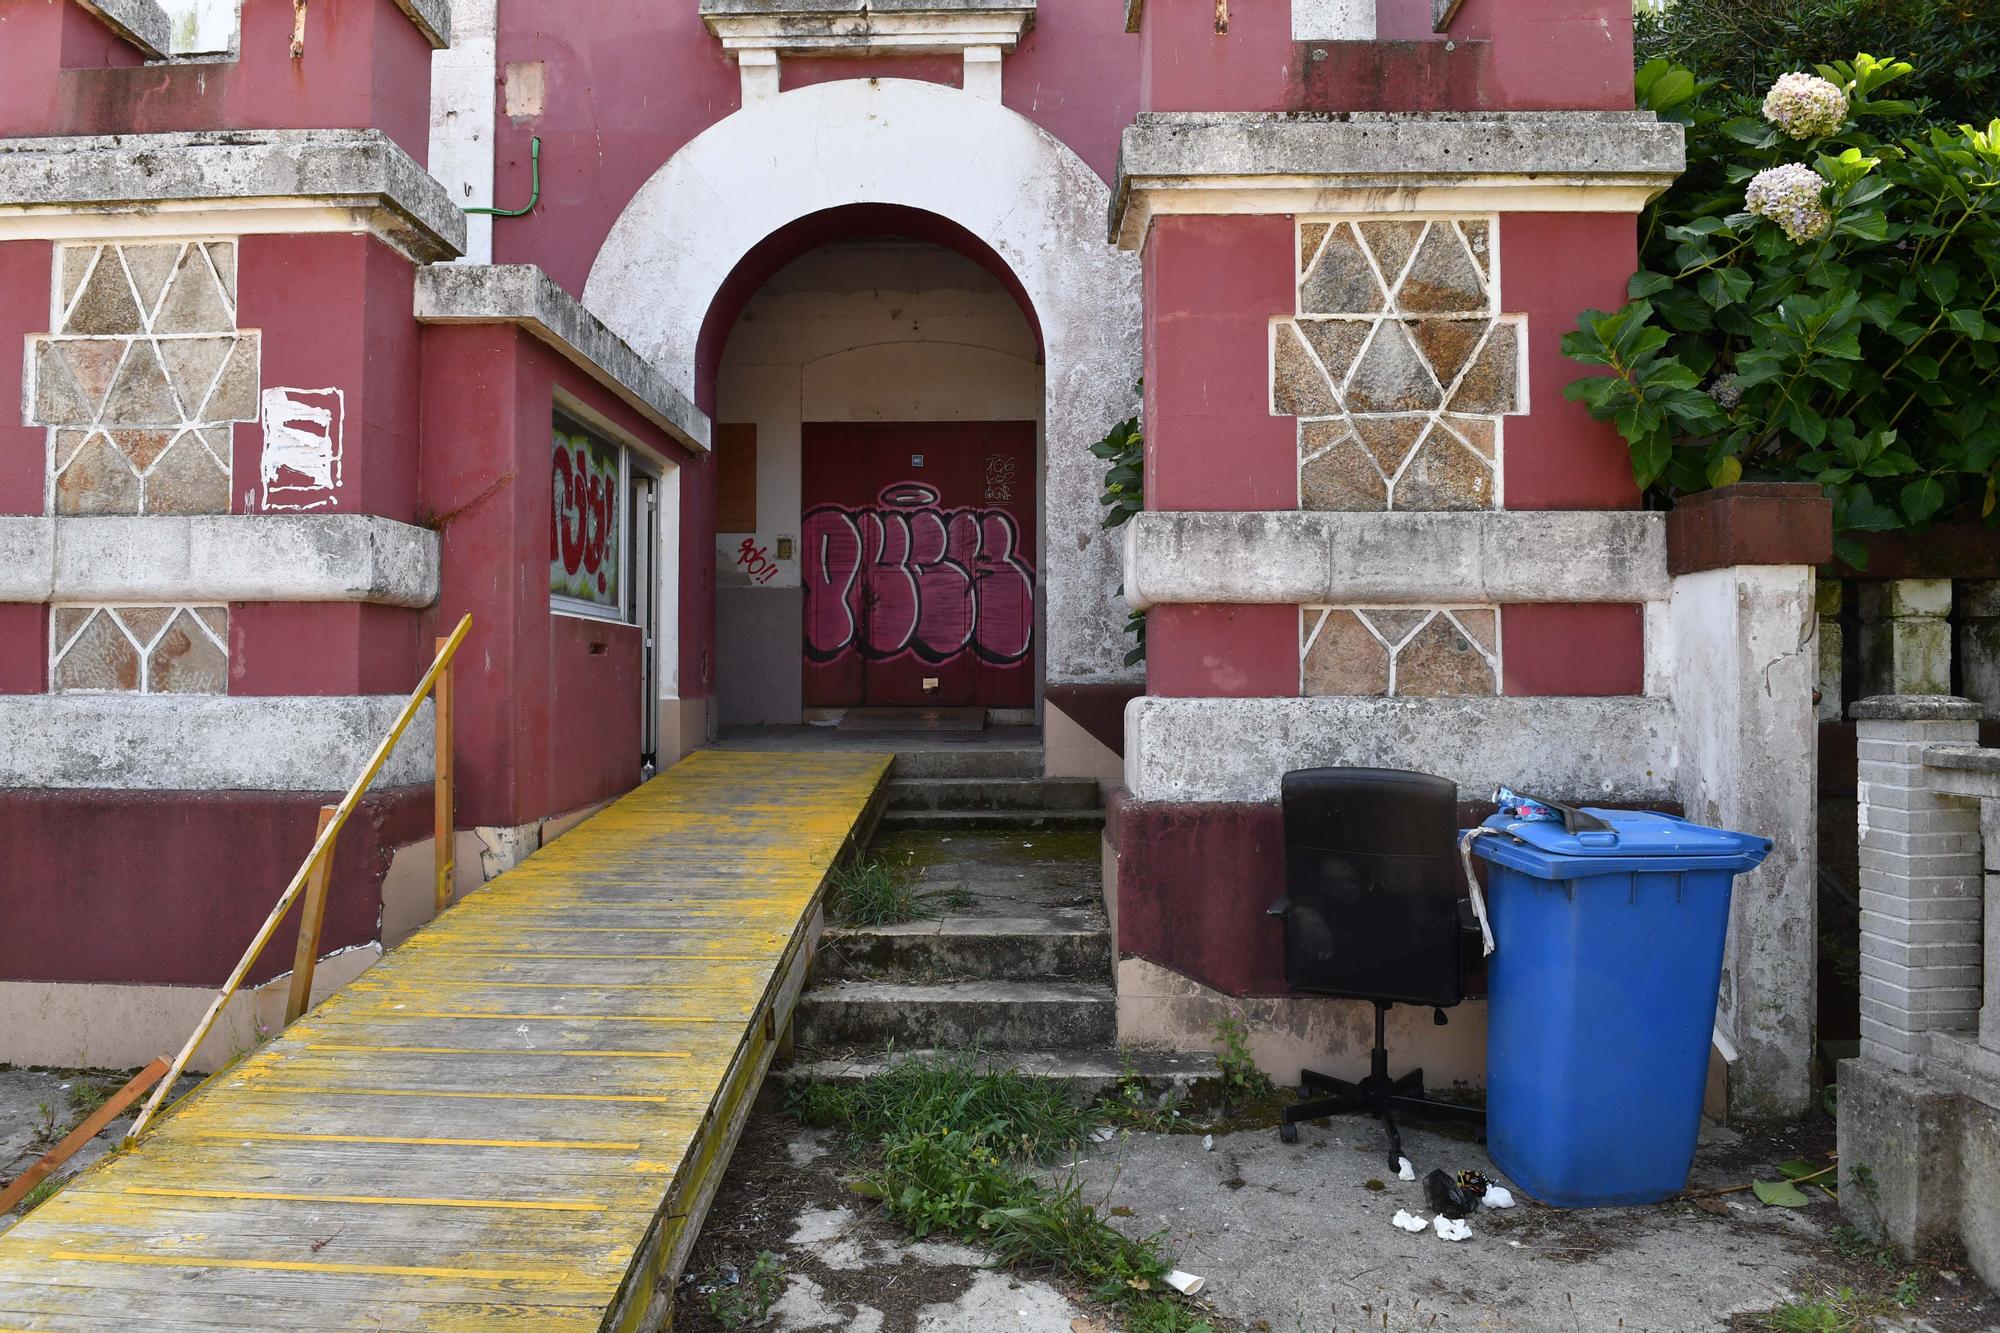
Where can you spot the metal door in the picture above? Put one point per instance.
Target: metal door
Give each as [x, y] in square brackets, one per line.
[918, 558]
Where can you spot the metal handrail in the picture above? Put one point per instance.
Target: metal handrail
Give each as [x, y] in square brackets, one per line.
[319, 859]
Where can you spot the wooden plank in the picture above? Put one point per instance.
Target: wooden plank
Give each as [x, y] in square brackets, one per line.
[483, 1133]
[312, 915]
[93, 1125]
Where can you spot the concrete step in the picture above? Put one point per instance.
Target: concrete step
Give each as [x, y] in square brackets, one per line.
[961, 1015]
[970, 761]
[1088, 1074]
[1033, 794]
[1064, 945]
[992, 821]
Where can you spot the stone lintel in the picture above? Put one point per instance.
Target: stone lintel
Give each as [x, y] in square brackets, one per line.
[867, 27]
[522, 294]
[1613, 748]
[1424, 558]
[1377, 162]
[142, 24]
[262, 181]
[1913, 708]
[217, 558]
[206, 742]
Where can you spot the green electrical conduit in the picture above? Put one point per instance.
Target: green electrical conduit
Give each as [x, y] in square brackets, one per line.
[535, 194]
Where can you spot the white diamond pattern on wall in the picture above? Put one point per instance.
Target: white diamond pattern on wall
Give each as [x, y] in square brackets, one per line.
[1398, 364]
[143, 377]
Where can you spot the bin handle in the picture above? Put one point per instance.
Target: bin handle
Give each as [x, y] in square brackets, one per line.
[1472, 887]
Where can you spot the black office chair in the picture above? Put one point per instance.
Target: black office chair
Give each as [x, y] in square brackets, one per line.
[1375, 909]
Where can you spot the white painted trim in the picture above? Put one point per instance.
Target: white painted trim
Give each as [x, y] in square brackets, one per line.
[982, 76]
[464, 104]
[1333, 20]
[213, 559]
[1402, 558]
[1366, 197]
[1614, 748]
[856, 28]
[992, 171]
[206, 742]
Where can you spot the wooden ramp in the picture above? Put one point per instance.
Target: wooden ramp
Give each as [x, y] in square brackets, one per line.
[514, 1121]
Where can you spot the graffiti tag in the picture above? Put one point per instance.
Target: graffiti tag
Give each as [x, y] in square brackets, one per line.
[756, 562]
[905, 575]
[583, 522]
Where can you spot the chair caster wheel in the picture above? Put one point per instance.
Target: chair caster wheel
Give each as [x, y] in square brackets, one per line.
[1288, 1133]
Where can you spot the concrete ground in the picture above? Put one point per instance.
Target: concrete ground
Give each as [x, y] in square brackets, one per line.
[1298, 1239]
[39, 1106]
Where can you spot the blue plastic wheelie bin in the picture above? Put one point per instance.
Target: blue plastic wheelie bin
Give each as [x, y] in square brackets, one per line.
[1602, 992]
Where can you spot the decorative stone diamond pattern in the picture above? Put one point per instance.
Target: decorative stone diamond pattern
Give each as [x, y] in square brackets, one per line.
[139, 649]
[1398, 364]
[142, 378]
[1406, 651]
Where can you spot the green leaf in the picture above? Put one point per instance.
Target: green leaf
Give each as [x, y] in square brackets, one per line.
[1969, 322]
[1779, 1193]
[1922, 498]
[1797, 1167]
[1725, 471]
[1646, 284]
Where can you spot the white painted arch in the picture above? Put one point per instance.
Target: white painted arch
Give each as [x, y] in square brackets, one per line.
[934, 148]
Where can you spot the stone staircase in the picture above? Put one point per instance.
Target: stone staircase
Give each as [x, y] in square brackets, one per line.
[1018, 967]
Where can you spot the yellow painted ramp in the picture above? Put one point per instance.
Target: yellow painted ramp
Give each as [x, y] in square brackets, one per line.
[514, 1121]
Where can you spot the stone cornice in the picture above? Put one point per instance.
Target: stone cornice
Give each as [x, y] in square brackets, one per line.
[217, 558]
[433, 20]
[1419, 558]
[206, 742]
[522, 294]
[1386, 162]
[867, 27]
[235, 182]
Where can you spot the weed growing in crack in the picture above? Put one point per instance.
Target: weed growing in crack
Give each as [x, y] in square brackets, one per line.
[872, 892]
[956, 1146]
[742, 1303]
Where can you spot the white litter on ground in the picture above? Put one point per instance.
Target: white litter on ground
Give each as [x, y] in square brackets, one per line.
[1208, 1143]
[1404, 1171]
[1409, 1221]
[1497, 1196]
[1450, 1229]
[1103, 1134]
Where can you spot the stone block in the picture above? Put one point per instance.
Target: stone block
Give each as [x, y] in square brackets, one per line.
[1900, 1171]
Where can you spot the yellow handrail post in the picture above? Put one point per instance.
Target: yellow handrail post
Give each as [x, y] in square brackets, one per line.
[322, 847]
[312, 915]
[444, 795]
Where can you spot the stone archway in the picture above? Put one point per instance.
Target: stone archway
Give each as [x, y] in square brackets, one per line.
[928, 147]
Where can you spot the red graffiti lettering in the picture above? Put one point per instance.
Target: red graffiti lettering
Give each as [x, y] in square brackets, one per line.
[908, 576]
[756, 562]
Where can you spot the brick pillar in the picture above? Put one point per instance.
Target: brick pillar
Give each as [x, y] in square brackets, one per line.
[1826, 601]
[1905, 642]
[1921, 886]
[1979, 643]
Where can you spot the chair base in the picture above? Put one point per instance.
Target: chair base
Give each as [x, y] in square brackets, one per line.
[1378, 1095]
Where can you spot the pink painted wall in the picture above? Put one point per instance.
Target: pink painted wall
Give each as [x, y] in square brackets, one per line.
[24, 309]
[365, 64]
[1215, 651]
[631, 87]
[126, 889]
[548, 717]
[24, 648]
[335, 313]
[324, 648]
[1212, 287]
[1553, 648]
[1550, 55]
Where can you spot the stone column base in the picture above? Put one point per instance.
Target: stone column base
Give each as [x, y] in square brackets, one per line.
[1900, 1155]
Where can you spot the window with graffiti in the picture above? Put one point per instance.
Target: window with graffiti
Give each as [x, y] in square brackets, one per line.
[586, 520]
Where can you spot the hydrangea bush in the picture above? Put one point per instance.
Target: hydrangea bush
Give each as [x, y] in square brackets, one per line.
[1819, 300]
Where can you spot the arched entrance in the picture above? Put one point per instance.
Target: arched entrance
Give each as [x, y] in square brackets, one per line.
[675, 262]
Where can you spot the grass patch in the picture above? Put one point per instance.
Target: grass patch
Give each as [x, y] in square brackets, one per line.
[957, 1146]
[872, 891]
[1837, 1312]
[41, 1194]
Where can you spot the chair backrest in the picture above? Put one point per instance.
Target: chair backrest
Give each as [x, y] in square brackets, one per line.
[1373, 885]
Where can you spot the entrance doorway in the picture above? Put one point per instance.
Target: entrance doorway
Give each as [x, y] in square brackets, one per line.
[918, 564]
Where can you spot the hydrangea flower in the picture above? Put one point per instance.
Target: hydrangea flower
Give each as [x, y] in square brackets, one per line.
[1805, 106]
[1726, 392]
[1790, 196]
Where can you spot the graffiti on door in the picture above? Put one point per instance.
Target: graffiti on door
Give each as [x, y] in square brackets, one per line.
[907, 575]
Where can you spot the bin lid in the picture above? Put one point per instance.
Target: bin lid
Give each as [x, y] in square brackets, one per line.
[1647, 839]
